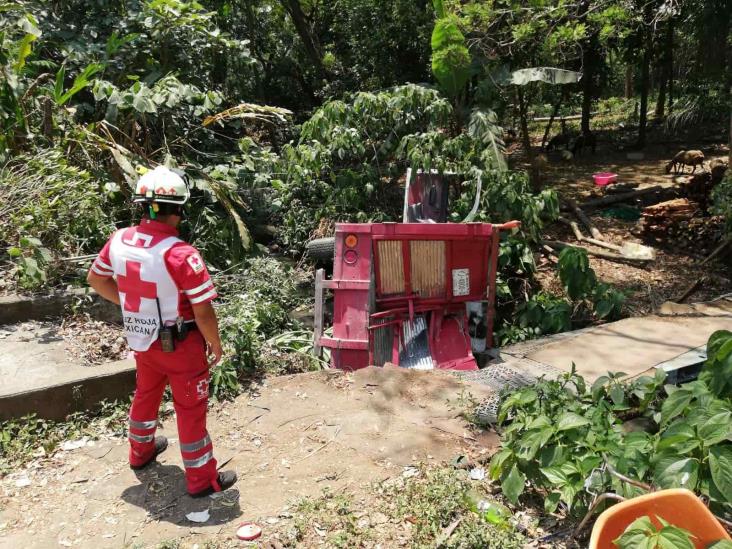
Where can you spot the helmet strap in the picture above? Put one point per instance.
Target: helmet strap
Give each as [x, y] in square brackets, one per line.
[154, 208]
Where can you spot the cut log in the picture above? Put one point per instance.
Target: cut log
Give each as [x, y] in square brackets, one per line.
[664, 219]
[582, 238]
[575, 228]
[605, 255]
[718, 250]
[624, 197]
[690, 290]
[584, 219]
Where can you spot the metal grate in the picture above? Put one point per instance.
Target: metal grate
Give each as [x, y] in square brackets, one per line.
[391, 267]
[500, 377]
[427, 269]
[383, 337]
[415, 353]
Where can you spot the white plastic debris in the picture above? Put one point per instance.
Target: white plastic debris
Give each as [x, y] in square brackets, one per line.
[248, 531]
[477, 474]
[22, 482]
[74, 444]
[410, 471]
[201, 516]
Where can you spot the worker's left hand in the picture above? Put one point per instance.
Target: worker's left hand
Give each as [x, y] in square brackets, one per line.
[214, 353]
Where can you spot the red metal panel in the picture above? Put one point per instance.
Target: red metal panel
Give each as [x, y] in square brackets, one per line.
[470, 249]
[432, 231]
[351, 283]
[451, 346]
[347, 284]
[340, 343]
[473, 256]
[491, 298]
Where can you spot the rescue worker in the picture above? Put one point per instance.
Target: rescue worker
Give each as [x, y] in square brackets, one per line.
[165, 293]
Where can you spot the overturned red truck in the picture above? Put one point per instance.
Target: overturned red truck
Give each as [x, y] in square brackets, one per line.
[418, 295]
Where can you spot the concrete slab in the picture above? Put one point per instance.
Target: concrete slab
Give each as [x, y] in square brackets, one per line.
[636, 345]
[15, 308]
[38, 375]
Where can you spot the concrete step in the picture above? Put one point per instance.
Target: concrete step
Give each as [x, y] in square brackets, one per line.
[17, 308]
[40, 376]
[84, 390]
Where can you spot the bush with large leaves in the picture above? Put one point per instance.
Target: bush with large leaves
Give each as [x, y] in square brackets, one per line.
[557, 434]
[350, 159]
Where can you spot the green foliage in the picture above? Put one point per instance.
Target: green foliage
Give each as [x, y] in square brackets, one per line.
[643, 533]
[548, 313]
[81, 81]
[349, 157]
[436, 497]
[558, 433]
[541, 314]
[450, 56]
[49, 207]
[575, 273]
[722, 200]
[580, 282]
[717, 371]
[255, 311]
[24, 438]
[31, 260]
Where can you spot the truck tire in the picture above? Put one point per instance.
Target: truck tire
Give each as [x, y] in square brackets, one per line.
[321, 249]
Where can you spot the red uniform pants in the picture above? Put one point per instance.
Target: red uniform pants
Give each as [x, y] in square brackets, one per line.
[186, 370]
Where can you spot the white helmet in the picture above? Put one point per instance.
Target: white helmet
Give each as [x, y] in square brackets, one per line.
[161, 185]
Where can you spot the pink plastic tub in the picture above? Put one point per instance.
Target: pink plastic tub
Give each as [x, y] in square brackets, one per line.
[605, 178]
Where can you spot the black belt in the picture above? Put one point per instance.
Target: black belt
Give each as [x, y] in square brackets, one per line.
[188, 325]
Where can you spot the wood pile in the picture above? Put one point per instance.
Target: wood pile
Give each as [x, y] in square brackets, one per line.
[659, 218]
[698, 236]
[698, 189]
[678, 225]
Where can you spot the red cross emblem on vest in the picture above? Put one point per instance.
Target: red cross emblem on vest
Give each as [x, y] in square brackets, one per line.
[134, 287]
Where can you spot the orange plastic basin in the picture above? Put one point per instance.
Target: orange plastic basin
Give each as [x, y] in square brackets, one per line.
[677, 506]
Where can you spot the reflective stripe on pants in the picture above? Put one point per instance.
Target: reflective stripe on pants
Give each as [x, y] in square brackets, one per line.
[187, 372]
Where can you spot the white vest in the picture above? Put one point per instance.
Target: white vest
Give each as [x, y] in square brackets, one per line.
[141, 275]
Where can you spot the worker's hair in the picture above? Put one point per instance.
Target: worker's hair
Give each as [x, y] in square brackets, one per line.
[164, 208]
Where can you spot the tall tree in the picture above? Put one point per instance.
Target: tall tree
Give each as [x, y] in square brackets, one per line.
[590, 61]
[300, 21]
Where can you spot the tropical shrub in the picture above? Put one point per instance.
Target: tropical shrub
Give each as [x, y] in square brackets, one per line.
[580, 283]
[254, 310]
[557, 435]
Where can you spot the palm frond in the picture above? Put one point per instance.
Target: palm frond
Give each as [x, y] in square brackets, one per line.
[251, 111]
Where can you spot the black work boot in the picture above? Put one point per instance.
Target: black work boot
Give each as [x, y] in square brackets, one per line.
[161, 444]
[225, 480]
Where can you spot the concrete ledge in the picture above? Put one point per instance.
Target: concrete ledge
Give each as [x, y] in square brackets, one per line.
[116, 380]
[15, 308]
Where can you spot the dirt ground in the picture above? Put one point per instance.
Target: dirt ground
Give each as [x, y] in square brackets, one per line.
[674, 270]
[290, 437]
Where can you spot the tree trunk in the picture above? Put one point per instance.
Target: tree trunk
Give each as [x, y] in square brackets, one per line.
[729, 84]
[629, 81]
[670, 64]
[589, 62]
[729, 87]
[534, 177]
[645, 70]
[303, 30]
[661, 103]
[555, 111]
